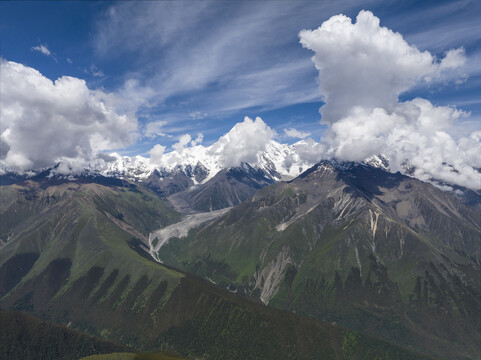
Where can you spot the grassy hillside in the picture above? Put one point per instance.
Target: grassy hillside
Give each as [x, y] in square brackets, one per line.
[23, 336]
[132, 356]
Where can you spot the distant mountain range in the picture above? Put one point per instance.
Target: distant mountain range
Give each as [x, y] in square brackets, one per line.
[199, 180]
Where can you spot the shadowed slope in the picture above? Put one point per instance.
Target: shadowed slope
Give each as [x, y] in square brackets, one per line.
[23, 336]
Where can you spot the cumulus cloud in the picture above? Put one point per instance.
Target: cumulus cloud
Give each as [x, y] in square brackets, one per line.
[363, 68]
[44, 122]
[308, 151]
[454, 58]
[365, 64]
[294, 133]
[184, 140]
[156, 154]
[243, 142]
[198, 140]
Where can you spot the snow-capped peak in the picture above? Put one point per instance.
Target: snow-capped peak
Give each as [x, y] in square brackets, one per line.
[278, 161]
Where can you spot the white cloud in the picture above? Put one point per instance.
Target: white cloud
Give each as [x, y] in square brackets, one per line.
[156, 154]
[197, 115]
[230, 64]
[243, 142]
[363, 68]
[42, 48]
[454, 58]
[294, 133]
[184, 141]
[96, 72]
[198, 140]
[44, 121]
[366, 65]
[309, 151]
[154, 129]
[134, 96]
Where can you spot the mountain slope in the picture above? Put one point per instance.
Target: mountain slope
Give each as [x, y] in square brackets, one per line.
[133, 356]
[229, 187]
[356, 245]
[23, 336]
[74, 248]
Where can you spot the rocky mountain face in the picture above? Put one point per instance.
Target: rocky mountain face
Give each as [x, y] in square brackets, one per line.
[356, 245]
[72, 252]
[229, 187]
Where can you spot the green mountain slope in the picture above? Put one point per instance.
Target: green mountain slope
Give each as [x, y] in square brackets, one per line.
[23, 336]
[71, 253]
[354, 245]
[132, 356]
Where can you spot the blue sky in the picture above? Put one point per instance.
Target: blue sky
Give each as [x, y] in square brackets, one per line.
[201, 66]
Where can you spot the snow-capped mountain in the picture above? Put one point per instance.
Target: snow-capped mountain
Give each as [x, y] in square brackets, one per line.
[208, 161]
[192, 167]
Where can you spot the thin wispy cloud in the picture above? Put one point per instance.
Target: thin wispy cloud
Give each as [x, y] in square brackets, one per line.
[296, 134]
[222, 58]
[219, 56]
[95, 71]
[44, 50]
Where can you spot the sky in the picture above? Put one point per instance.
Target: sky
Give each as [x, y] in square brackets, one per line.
[351, 78]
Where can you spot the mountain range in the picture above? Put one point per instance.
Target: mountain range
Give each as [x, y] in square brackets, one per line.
[353, 261]
[351, 244]
[73, 253]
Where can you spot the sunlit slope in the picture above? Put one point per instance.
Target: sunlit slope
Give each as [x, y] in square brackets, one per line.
[74, 254]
